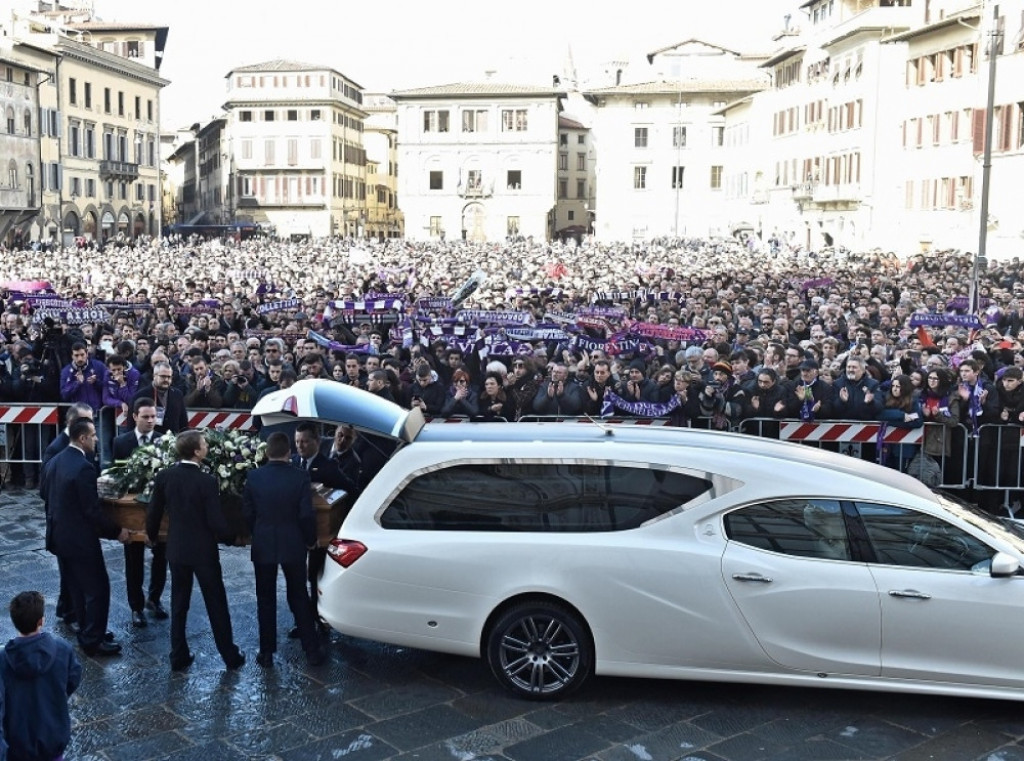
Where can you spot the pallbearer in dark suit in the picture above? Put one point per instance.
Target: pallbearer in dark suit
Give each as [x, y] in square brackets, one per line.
[195, 523]
[321, 470]
[279, 510]
[77, 411]
[144, 414]
[77, 523]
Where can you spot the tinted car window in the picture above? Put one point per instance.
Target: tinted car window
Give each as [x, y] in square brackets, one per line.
[801, 527]
[548, 497]
[906, 537]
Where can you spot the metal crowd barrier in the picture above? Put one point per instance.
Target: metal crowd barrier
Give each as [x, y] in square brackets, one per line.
[992, 461]
[25, 432]
[996, 457]
[859, 438]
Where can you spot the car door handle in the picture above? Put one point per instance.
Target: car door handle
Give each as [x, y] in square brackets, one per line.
[752, 577]
[913, 594]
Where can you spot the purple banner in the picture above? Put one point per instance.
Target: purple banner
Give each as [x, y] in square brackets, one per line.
[279, 306]
[613, 401]
[961, 320]
[668, 332]
[821, 282]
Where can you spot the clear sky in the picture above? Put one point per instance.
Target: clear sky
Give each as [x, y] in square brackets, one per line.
[389, 45]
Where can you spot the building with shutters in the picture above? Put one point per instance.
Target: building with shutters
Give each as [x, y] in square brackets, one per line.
[479, 161]
[99, 116]
[297, 159]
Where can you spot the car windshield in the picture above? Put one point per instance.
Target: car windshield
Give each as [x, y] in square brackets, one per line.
[1009, 530]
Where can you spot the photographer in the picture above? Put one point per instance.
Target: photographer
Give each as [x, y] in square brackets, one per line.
[722, 399]
[30, 386]
[239, 391]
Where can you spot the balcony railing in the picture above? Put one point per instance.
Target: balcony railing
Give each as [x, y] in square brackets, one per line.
[804, 191]
[848, 192]
[119, 169]
[476, 190]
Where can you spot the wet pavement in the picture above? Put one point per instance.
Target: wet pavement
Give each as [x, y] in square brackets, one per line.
[372, 701]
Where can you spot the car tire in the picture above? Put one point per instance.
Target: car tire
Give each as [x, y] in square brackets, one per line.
[540, 650]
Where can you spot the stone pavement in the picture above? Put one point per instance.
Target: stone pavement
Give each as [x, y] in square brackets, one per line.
[372, 701]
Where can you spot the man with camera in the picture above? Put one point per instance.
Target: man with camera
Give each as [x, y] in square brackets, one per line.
[240, 391]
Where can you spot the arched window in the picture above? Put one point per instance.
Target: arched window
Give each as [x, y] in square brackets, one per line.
[28, 122]
[10, 120]
[30, 176]
[12, 174]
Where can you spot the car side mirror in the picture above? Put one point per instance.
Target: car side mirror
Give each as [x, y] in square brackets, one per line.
[1003, 565]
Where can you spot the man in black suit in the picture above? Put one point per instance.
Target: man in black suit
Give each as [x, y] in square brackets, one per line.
[322, 470]
[144, 414]
[279, 512]
[170, 404]
[77, 524]
[77, 411]
[195, 523]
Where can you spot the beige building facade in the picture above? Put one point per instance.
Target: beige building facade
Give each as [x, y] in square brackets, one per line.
[577, 179]
[296, 154]
[98, 122]
[20, 147]
[383, 216]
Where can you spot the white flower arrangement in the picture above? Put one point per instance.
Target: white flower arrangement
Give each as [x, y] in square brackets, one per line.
[232, 454]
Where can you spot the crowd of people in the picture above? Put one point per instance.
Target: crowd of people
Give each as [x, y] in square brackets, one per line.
[697, 332]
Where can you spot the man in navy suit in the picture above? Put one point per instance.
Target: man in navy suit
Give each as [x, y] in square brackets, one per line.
[78, 523]
[279, 511]
[195, 524]
[77, 411]
[144, 414]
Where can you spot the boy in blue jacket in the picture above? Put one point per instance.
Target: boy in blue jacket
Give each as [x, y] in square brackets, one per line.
[38, 674]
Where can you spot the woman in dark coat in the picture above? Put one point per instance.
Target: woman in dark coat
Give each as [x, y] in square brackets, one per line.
[494, 402]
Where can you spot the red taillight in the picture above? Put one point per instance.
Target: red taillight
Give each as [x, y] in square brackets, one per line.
[345, 552]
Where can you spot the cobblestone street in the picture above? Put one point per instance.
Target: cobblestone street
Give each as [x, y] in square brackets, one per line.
[373, 701]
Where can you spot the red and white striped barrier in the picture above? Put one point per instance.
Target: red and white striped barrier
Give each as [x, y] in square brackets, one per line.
[241, 421]
[864, 433]
[27, 414]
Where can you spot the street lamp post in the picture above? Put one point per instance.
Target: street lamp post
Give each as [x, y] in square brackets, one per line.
[678, 168]
[986, 166]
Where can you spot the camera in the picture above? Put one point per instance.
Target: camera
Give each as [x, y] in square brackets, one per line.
[32, 370]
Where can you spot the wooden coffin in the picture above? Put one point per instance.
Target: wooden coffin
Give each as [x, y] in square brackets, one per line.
[331, 506]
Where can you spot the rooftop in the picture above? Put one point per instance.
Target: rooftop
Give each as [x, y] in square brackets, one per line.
[481, 89]
[685, 85]
[280, 64]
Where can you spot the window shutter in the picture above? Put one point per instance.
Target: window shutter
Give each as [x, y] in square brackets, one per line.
[978, 131]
